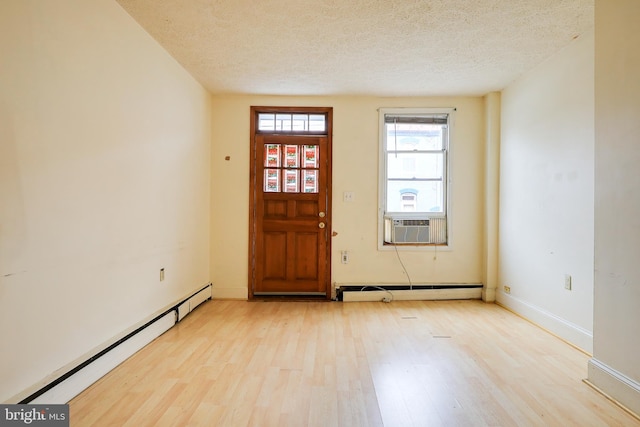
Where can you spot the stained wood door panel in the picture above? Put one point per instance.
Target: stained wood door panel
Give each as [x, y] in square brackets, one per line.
[274, 268]
[305, 208]
[279, 247]
[275, 208]
[306, 249]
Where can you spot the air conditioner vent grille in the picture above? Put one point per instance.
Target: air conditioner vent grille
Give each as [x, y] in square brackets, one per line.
[416, 222]
[415, 231]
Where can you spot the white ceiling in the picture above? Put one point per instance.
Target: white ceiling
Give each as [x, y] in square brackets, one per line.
[361, 47]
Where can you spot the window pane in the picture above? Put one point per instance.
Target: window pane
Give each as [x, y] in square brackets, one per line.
[271, 180]
[404, 136]
[291, 159]
[291, 183]
[301, 122]
[310, 181]
[272, 156]
[317, 123]
[283, 122]
[429, 196]
[266, 121]
[310, 156]
[415, 165]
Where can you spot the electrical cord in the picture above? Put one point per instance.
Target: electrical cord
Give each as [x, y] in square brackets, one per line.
[385, 299]
[403, 267]
[390, 298]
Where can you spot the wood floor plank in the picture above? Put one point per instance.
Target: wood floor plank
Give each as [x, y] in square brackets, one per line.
[406, 363]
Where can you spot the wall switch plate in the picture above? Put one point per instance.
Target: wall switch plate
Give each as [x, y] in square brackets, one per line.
[507, 289]
[344, 257]
[161, 274]
[567, 282]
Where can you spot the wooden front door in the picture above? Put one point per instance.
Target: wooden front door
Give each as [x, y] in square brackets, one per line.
[290, 210]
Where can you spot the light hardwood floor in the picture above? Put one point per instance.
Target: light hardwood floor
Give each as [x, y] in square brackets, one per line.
[409, 363]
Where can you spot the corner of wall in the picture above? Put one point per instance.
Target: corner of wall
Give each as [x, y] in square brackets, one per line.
[615, 385]
[491, 196]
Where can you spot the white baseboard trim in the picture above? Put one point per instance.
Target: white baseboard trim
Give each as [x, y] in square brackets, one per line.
[615, 385]
[570, 332]
[72, 379]
[72, 386]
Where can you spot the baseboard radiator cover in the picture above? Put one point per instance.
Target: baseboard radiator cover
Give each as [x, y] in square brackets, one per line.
[615, 385]
[75, 379]
[351, 292]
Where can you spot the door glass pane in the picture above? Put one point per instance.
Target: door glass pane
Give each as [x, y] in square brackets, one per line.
[272, 156]
[310, 156]
[291, 156]
[271, 180]
[291, 182]
[310, 181]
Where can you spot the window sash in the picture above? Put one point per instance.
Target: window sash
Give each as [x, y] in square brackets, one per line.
[431, 164]
[293, 123]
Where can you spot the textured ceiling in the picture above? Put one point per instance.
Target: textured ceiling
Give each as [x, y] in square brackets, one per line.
[361, 47]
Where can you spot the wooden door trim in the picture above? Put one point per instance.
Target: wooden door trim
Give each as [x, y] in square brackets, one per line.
[253, 179]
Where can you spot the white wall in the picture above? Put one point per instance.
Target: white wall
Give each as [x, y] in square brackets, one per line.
[615, 366]
[355, 168]
[104, 179]
[546, 193]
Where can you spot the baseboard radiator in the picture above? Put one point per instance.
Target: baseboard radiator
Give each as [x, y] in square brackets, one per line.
[66, 386]
[348, 292]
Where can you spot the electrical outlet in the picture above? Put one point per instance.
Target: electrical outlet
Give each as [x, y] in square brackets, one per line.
[348, 196]
[161, 274]
[567, 282]
[507, 289]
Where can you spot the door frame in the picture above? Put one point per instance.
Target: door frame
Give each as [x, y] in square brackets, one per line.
[255, 110]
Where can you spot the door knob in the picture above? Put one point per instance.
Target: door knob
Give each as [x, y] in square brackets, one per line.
[321, 225]
[321, 214]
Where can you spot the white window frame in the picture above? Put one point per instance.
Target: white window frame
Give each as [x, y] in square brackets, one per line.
[382, 183]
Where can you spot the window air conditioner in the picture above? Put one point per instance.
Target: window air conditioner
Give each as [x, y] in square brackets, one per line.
[407, 230]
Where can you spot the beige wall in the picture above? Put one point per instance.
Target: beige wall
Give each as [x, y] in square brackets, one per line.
[615, 366]
[546, 193]
[491, 229]
[104, 179]
[355, 168]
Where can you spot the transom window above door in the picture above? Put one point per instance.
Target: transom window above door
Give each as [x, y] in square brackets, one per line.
[297, 123]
